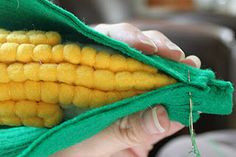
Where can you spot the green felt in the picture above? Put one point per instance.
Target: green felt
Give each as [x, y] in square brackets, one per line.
[209, 95]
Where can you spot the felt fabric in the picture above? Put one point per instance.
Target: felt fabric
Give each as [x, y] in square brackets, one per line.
[209, 95]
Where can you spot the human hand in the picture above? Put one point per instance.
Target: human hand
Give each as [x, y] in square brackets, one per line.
[133, 136]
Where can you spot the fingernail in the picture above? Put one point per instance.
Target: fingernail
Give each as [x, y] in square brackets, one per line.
[174, 47]
[155, 121]
[196, 61]
[145, 40]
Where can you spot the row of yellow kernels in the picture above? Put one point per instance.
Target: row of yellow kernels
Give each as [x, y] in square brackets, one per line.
[29, 113]
[82, 75]
[30, 37]
[51, 92]
[71, 53]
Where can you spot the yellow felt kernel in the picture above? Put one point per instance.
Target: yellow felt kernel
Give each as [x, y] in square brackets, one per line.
[88, 55]
[16, 91]
[104, 80]
[54, 119]
[25, 109]
[102, 60]
[48, 72]
[98, 98]
[7, 108]
[4, 92]
[113, 97]
[163, 80]
[127, 94]
[66, 73]
[3, 38]
[57, 53]
[18, 32]
[33, 122]
[4, 31]
[8, 52]
[3, 73]
[32, 32]
[49, 92]
[53, 38]
[11, 121]
[16, 72]
[46, 109]
[72, 53]
[118, 63]
[143, 80]
[38, 38]
[149, 68]
[124, 81]
[82, 97]
[133, 65]
[17, 38]
[24, 52]
[32, 90]
[84, 76]
[66, 95]
[31, 71]
[51, 113]
[42, 53]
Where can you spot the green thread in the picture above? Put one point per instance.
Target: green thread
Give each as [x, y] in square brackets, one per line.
[195, 149]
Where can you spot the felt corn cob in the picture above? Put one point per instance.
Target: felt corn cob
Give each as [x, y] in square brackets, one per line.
[47, 76]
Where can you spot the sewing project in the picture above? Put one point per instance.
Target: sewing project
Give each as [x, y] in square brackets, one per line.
[45, 48]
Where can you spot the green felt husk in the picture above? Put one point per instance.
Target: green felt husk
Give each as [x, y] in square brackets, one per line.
[208, 94]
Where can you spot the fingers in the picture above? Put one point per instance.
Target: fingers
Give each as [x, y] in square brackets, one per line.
[128, 34]
[149, 42]
[166, 48]
[170, 50]
[192, 61]
[131, 131]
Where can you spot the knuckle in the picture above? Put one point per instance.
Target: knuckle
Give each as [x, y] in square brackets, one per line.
[127, 26]
[99, 26]
[154, 33]
[124, 24]
[128, 132]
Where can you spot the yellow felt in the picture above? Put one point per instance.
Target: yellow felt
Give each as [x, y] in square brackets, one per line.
[49, 92]
[48, 72]
[88, 56]
[3, 73]
[72, 53]
[24, 52]
[16, 72]
[39, 75]
[66, 95]
[31, 71]
[102, 60]
[8, 52]
[66, 73]
[42, 53]
[32, 90]
[84, 76]
[29, 113]
[124, 81]
[32, 36]
[57, 53]
[104, 80]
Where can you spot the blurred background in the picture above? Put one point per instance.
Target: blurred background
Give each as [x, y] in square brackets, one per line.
[205, 28]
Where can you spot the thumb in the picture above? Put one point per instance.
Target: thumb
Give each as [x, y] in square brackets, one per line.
[150, 125]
